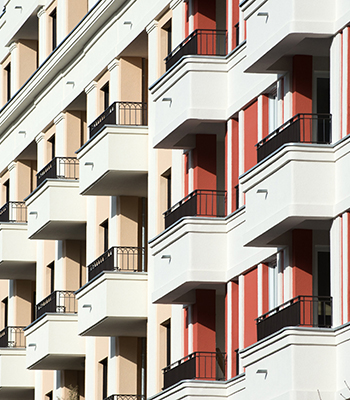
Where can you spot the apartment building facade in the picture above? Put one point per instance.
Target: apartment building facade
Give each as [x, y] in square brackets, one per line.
[174, 217]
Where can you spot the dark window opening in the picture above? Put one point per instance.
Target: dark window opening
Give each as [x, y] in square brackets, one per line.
[6, 309]
[104, 226]
[7, 190]
[51, 268]
[104, 377]
[105, 90]
[8, 81]
[52, 141]
[53, 16]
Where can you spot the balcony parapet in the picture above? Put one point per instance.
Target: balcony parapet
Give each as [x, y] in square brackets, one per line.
[121, 113]
[199, 203]
[59, 301]
[59, 168]
[13, 211]
[125, 397]
[119, 258]
[12, 337]
[206, 42]
[302, 128]
[311, 311]
[197, 366]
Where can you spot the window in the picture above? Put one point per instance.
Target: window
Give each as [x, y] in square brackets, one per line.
[53, 17]
[52, 142]
[104, 227]
[51, 271]
[7, 191]
[105, 90]
[5, 311]
[104, 377]
[7, 70]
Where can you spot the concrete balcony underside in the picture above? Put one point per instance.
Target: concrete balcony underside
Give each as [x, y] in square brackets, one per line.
[115, 162]
[186, 105]
[53, 343]
[113, 304]
[56, 211]
[307, 28]
[297, 187]
[16, 382]
[17, 252]
[189, 255]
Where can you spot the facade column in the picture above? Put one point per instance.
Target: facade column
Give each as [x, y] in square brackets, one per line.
[43, 36]
[91, 102]
[114, 81]
[13, 170]
[13, 48]
[60, 135]
[62, 14]
[335, 87]
[178, 26]
[241, 151]
[336, 274]
[240, 315]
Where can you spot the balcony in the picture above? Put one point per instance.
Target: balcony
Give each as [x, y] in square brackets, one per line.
[206, 42]
[295, 186]
[131, 259]
[184, 102]
[55, 209]
[197, 366]
[309, 311]
[199, 203]
[52, 339]
[114, 301]
[115, 160]
[16, 264]
[121, 113]
[16, 382]
[278, 29]
[302, 128]
[191, 252]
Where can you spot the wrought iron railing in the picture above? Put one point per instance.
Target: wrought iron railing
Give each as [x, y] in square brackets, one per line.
[121, 113]
[125, 397]
[119, 258]
[302, 128]
[312, 311]
[59, 301]
[198, 365]
[59, 168]
[206, 42]
[204, 203]
[13, 211]
[12, 336]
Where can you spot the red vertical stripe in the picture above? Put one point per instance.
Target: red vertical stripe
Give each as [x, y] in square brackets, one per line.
[186, 171]
[204, 336]
[250, 306]
[185, 331]
[302, 262]
[348, 83]
[187, 18]
[204, 14]
[302, 84]
[250, 135]
[204, 162]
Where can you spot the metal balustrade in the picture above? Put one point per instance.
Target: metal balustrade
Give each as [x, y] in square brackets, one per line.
[204, 203]
[198, 365]
[302, 128]
[13, 211]
[59, 168]
[206, 42]
[312, 311]
[125, 397]
[119, 258]
[12, 336]
[121, 113]
[59, 301]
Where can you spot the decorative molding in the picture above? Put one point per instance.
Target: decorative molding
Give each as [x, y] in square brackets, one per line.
[39, 137]
[11, 166]
[113, 64]
[60, 117]
[175, 3]
[90, 87]
[153, 25]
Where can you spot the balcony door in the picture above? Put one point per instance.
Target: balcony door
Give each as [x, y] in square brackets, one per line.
[321, 105]
[322, 286]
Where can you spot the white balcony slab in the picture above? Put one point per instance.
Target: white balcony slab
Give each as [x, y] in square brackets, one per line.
[185, 104]
[278, 29]
[294, 363]
[294, 187]
[191, 254]
[17, 252]
[53, 343]
[114, 304]
[56, 211]
[16, 382]
[115, 162]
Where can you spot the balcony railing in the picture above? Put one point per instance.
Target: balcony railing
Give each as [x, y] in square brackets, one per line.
[302, 128]
[198, 365]
[119, 259]
[206, 42]
[59, 301]
[125, 397]
[204, 203]
[13, 211]
[59, 168]
[121, 113]
[12, 336]
[309, 311]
